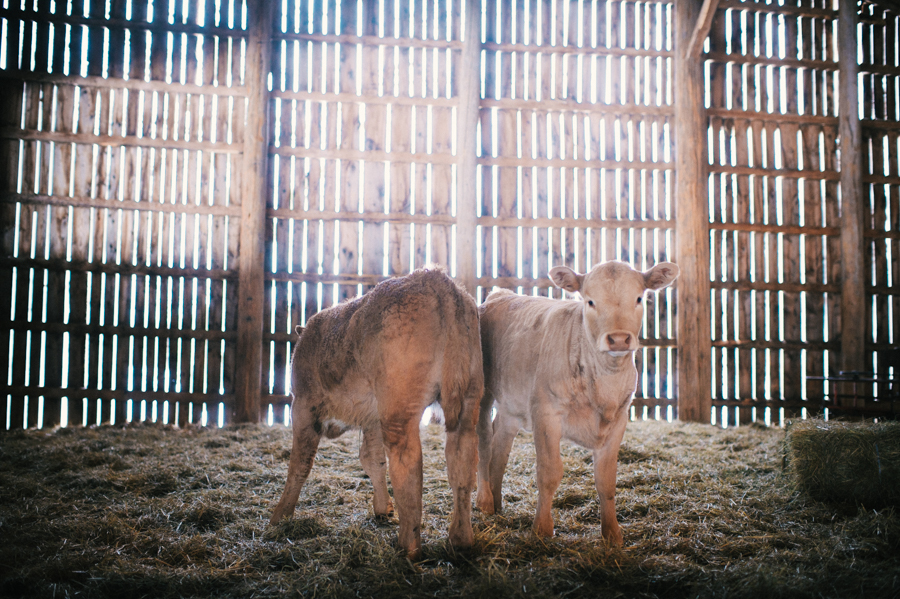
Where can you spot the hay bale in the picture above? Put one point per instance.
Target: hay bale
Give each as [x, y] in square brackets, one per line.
[846, 462]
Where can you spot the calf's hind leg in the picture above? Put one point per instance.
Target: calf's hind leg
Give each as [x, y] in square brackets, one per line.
[371, 455]
[306, 435]
[461, 451]
[404, 449]
[504, 433]
[484, 500]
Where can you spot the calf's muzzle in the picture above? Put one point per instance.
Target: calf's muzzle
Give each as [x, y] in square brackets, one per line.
[616, 341]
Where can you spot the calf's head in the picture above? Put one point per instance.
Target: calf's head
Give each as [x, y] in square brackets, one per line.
[612, 296]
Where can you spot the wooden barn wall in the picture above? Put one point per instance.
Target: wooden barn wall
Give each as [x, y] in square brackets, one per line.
[126, 186]
[880, 117]
[121, 136]
[363, 163]
[775, 204]
[575, 155]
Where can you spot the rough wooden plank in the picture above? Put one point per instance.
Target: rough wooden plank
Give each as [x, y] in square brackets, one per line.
[852, 267]
[701, 29]
[442, 187]
[468, 86]
[251, 282]
[692, 233]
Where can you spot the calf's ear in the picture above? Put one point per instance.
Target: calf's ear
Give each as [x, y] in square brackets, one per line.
[661, 275]
[566, 278]
[298, 329]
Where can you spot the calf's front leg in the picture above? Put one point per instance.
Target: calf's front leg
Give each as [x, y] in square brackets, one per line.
[606, 459]
[547, 435]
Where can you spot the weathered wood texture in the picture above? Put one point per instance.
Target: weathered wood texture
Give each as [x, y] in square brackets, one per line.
[774, 219]
[469, 90]
[853, 279]
[363, 160]
[575, 159]
[136, 211]
[802, 233]
[692, 219]
[120, 211]
[880, 193]
[251, 284]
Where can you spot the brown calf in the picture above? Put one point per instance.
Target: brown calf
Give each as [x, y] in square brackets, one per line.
[376, 363]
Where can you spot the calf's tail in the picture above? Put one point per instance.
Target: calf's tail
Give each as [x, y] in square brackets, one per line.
[462, 380]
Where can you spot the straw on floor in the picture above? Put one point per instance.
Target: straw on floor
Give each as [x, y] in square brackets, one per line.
[148, 511]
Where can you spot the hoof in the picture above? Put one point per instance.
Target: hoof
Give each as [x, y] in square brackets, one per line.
[277, 515]
[414, 554]
[613, 537]
[543, 530]
[462, 539]
[485, 504]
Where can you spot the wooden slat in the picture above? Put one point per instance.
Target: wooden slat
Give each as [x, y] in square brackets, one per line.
[125, 204]
[701, 29]
[799, 11]
[365, 98]
[376, 197]
[569, 105]
[370, 40]
[117, 141]
[692, 243]
[772, 173]
[117, 394]
[252, 237]
[775, 116]
[743, 59]
[852, 282]
[466, 173]
[574, 163]
[162, 25]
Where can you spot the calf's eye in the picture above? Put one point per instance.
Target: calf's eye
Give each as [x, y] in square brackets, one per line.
[640, 300]
[591, 303]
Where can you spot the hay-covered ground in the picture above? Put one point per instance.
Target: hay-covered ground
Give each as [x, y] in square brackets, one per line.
[148, 511]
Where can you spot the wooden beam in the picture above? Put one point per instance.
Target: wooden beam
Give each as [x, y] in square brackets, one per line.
[117, 141]
[853, 288]
[469, 72]
[794, 11]
[160, 27]
[691, 224]
[101, 204]
[891, 5]
[573, 50]
[701, 29]
[135, 85]
[251, 263]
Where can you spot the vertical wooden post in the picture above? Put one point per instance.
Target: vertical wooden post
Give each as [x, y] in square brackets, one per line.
[853, 282]
[251, 277]
[469, 90]
[691, 223]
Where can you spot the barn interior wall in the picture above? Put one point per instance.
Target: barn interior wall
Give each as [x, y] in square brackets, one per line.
[122, 144]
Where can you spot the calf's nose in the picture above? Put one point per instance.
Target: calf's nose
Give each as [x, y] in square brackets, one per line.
[619, 341]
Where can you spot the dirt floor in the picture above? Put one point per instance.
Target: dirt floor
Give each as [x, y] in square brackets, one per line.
[151, 511]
